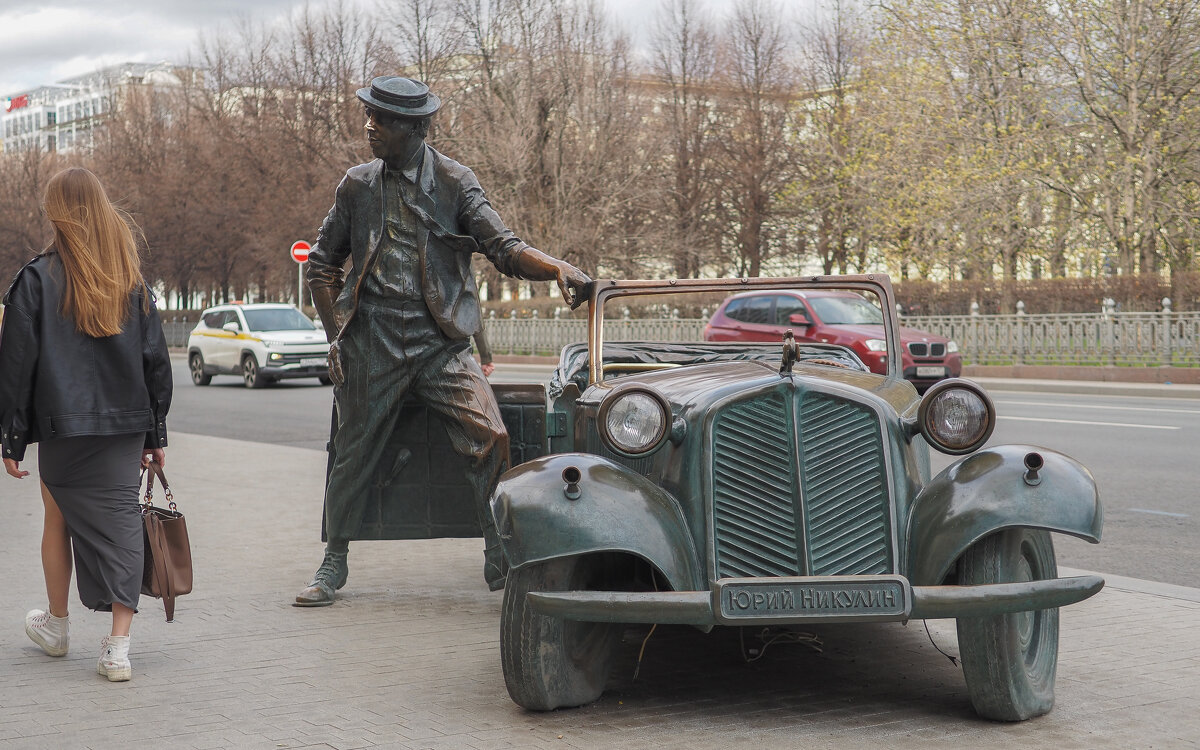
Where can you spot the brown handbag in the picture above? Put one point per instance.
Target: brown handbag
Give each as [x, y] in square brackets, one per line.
[168, 566]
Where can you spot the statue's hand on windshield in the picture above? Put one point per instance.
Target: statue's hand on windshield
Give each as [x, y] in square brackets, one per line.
[574, 284]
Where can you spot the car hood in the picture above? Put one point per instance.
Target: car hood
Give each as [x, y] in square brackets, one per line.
[698, 386]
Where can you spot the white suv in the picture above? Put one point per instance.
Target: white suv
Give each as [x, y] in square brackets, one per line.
[262, 343]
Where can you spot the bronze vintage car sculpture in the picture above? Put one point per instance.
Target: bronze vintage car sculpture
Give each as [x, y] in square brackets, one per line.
[751, 484]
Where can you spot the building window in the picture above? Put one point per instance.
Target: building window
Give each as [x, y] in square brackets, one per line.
[51, 118]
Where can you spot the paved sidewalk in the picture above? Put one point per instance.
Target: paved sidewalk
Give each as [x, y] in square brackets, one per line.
[411, 660]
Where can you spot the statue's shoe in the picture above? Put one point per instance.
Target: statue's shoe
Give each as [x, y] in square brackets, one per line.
[319, 594]
[330, 577]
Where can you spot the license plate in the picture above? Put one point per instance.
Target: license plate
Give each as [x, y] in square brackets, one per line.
[931, 372]
[818, 598]
[312, 361]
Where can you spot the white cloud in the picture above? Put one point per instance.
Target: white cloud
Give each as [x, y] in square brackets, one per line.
[45, 43]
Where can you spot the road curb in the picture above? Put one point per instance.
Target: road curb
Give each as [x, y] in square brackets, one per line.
[1139, 585]
[1090, 388]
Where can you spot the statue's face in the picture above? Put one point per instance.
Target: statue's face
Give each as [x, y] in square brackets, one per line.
[392, 139]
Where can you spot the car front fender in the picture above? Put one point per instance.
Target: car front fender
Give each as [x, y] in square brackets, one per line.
[992, 490]
[541, 516]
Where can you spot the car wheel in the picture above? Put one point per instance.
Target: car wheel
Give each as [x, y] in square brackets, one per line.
[1009, 661]
[325, 379]
[251, 374]
[196, 367]
[551, 662]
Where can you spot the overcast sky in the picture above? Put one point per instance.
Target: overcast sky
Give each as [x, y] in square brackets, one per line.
[43, 41]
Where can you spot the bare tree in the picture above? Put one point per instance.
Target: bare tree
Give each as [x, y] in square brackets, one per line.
[550, 121]
[756, 151]
[685, 64]
[429, 39]
[972, 160]
[1136, 66]
[945, 139]
[24, 175]
[829, 197]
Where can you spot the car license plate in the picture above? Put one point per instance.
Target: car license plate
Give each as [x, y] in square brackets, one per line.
[312, 361]
[931, 372]
[820, 598]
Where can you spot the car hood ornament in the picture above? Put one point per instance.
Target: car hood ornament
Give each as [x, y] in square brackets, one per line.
[791, 352]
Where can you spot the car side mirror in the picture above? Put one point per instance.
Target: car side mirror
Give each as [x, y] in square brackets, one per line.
[231, 327]
[799, 319]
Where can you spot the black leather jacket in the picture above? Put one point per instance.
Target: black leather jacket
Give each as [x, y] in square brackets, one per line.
[455, 221]
[56, 382]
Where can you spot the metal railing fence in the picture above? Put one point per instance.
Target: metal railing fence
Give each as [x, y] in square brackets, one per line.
[1164, 338]
[549, 336]
[176, 331]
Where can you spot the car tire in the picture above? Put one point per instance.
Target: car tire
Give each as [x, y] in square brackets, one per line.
[1009, 661]
[551, 662]
[251, 375]
[196, 367]
[325, 379]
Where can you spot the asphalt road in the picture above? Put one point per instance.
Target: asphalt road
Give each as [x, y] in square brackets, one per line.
[1142, 451]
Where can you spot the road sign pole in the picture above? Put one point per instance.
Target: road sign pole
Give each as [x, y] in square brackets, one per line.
[299, 253]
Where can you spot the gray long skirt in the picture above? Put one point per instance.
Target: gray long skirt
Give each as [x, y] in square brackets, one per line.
[94, 481]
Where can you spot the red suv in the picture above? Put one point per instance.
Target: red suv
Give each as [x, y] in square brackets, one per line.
[831, 317]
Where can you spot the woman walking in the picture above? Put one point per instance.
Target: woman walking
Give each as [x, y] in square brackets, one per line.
[85, 374]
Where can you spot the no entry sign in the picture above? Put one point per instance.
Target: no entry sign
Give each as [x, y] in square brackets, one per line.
[300, 251]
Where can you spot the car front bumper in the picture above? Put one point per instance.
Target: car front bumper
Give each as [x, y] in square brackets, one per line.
[929, 370]
[797, 600]
[295, 371]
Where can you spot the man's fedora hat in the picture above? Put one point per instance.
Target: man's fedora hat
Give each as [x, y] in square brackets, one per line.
[402, 97]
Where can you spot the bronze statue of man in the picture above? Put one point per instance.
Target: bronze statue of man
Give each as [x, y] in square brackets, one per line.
[400, 319]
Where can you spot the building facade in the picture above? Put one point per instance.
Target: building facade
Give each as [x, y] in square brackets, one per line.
[63, 116]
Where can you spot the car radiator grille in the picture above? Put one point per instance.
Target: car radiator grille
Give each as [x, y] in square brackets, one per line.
[921, 349]
[819, 510]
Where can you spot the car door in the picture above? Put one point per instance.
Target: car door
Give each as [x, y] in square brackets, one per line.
[750, 319]
[791, 312]
[225, 344]
[204, 337]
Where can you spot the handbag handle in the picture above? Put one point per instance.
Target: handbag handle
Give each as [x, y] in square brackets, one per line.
[156, 470]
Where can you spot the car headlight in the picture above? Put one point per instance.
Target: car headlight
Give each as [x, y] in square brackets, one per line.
[634, 421]
[276, 356]
[956, 416]
[875, 345]
[951, 347]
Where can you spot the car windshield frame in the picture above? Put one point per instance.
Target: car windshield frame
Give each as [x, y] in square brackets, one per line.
[877, 284]
[290, 316]
[834, 310]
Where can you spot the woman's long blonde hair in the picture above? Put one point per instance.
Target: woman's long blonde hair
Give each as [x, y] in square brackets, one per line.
[99, 252]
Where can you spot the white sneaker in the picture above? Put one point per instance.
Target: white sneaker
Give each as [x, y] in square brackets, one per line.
[114, 658]
[48, 631]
